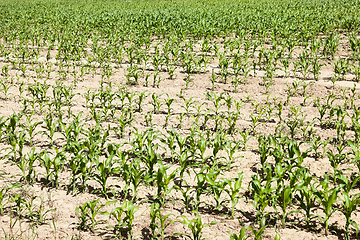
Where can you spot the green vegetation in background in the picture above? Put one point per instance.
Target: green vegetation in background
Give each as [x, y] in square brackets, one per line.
[196, 18]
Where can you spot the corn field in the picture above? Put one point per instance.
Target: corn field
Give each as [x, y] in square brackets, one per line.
[181, 119]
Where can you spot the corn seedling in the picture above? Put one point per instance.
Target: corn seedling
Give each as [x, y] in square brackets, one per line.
[195, 225]
[87, 213]
[159, 221]
[349, 204]
[234, 187]
[327, 197]
[162, 181]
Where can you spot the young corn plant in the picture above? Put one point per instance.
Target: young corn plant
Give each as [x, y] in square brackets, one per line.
[262, 196]
[216, 188]
[195, 225]
[304, 64]
[137, 176]
[159, 222]
[5, 87]
[200, 186]
[331, 45]
[37, 214]
[355, 153]
[31, 158]
[224, 63]
[19, 207]
[327, 197]
[87, 213]
[156, 103]
[286, 63]
[284, 201]
[80, 171]
[255, 119]
[105, 170]
[169, 141]
[46, 162]
[231, 148]
[117, 215]
[213, 79]
[129, 211]
[316, 67]
[349, 205]
[150, 158]
[163, 181]
[233, 190]
[170, 110]
[5, 196]
[51, 127]
[306, 196]
[185, 190]
[341, 67]
[265, 144]
[246, 135]
[242, 234]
